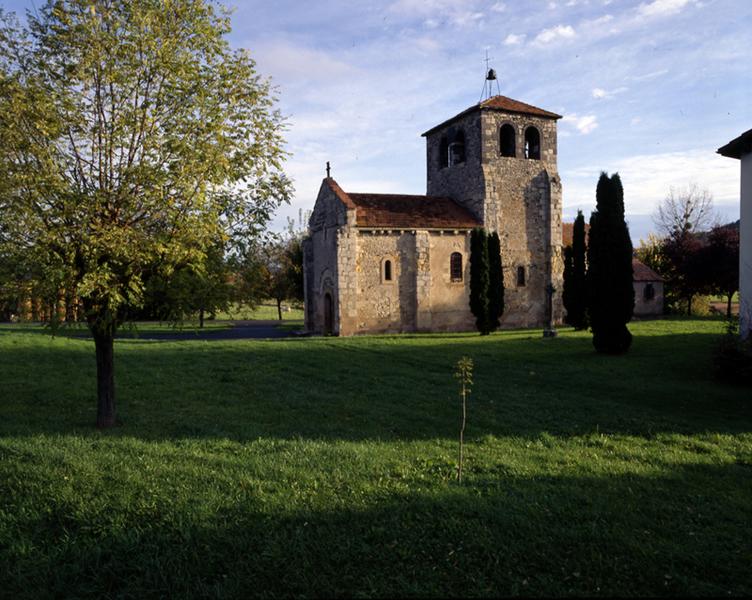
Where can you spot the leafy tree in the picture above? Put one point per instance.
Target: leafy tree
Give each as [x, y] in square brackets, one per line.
[479, 280]
[575, 284]
[495, 282]
[133, 140]
[279, 285]
[721, 263]
[191, 290]
[609, 276]
[684, 269]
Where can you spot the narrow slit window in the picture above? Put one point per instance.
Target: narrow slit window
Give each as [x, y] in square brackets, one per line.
[387, 270]
[520, 276]
[455, 266]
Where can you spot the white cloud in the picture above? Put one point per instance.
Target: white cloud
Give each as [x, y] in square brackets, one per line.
[288, 62]
[601, 94]
[514, 40]
[554, 34]
[499, 7]
[599, 21]
[437, 11]
[662, 8]
[584, 124]
[648, 177]
[649, 76]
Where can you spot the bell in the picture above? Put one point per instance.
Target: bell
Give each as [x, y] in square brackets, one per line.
[491, 75]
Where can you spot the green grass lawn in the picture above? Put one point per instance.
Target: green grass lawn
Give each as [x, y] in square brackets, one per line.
[262, 312]
[326, 467]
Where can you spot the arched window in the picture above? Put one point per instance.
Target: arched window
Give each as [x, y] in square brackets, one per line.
[387, 270]
[520, 276]
[443, 153]
[649, 292]
[457, 149]
[532, 143]
[455, 266]
[506, 140]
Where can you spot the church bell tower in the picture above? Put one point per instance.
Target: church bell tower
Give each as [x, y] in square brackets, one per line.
[498, 159]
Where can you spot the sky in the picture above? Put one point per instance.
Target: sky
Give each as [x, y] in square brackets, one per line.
[649, 89]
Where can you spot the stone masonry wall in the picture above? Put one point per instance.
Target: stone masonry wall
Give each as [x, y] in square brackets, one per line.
[523, 203]
[449, 300]
[385, 305]
[463, 182]
[421, 295]
[322, 269]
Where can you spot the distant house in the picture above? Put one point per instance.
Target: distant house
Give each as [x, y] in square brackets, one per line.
[648, 285]
[741, 149]
[648, 290]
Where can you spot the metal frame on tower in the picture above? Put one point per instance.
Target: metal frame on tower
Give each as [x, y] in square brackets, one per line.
[488, 82]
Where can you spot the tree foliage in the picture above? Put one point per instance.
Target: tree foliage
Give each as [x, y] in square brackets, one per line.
[282, 270]
[683, 269]
[721, 263]
[609, 276]
[479, 280]
[133, 140]
[495, 282]
[486, 280]
[575, 284]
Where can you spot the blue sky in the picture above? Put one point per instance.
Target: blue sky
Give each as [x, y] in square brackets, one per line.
[647, 88]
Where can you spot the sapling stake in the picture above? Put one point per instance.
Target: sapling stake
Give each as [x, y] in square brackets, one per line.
[464, 374]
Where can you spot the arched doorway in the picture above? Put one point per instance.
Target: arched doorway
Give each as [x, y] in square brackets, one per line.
[328, 314]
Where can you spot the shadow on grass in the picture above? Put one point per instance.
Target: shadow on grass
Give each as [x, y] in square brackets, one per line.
[373, 388]
[683, 533]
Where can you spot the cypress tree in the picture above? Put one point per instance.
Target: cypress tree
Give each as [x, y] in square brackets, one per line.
[479, 279]
[575, 284]
[609, 276]
[495, 282]
[567, 293]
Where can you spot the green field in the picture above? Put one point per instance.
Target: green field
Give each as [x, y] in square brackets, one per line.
[326, 467]
[261, 312]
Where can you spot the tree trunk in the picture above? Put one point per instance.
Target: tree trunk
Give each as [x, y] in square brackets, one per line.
[689, 306]
[279, 308]
[728, 306]
[104, 344]
[201, 318]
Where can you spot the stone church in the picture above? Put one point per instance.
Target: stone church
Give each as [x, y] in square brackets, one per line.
[400, 263]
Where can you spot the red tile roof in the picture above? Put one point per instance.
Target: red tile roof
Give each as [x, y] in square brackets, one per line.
[641, 272]
[340, 193]
[567, 233]
[512, 105]
[400, 211]
[500, 103]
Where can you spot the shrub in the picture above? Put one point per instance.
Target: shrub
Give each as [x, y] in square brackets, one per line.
[732, 358]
